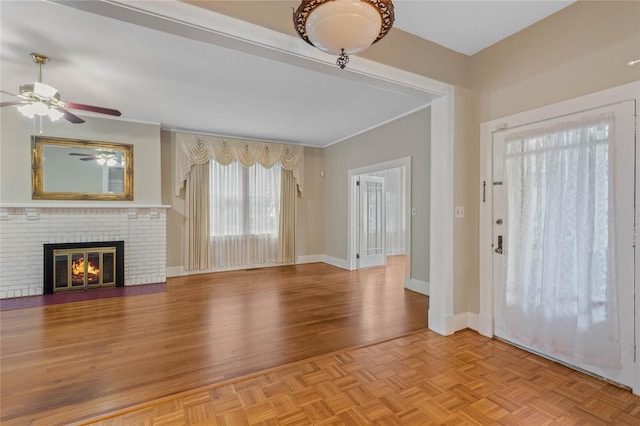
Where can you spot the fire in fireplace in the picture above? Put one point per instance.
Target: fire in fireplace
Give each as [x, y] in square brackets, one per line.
[79, 268]
[83, 266]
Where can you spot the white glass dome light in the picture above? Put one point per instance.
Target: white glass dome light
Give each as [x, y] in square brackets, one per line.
[41, 109]
[352, 25]
[343, 27]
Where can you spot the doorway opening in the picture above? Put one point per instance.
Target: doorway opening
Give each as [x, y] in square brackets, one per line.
[379, 211]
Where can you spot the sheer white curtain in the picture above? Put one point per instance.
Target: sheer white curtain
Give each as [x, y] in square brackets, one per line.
[245, 214]
[395, 209]
[560, 293]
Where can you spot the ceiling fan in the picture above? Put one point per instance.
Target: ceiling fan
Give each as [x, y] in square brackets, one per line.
[41, 99]
[108, 157]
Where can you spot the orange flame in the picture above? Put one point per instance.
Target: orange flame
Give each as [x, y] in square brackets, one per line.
[77, 268]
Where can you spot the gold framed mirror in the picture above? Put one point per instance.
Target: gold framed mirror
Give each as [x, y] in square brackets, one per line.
[73, 169]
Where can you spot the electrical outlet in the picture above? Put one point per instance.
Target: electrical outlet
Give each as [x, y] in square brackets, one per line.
[459, 212]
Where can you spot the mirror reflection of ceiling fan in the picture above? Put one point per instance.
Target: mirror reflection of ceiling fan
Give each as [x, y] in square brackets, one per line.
[106, 157]
[43, 100]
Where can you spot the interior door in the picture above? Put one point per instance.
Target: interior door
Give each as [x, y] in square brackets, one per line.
[371, 214]
[621, 206]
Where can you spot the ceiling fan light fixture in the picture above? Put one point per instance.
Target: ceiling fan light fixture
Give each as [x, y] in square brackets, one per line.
[34, 108]
[112, 162]
[41, 109]
[27, 110]
[54, 114]
[101, 161]
[41, 99]
[343, 27]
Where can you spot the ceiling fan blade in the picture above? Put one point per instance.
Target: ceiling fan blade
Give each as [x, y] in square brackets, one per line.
[9, 93]
[70, 117]
[83, 155]
[10, 103]
[87, 159]
[91, 108]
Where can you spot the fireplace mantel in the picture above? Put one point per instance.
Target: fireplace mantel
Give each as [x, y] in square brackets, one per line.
[81, 205]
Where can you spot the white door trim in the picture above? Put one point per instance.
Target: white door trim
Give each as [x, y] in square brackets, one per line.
[441, 214]
[630, 91]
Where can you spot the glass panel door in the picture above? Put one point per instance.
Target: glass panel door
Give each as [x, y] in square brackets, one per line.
[372, 221]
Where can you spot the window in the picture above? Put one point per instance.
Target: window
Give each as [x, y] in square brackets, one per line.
[245, 214]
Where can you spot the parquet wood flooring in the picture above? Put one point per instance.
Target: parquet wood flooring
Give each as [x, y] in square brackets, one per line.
[421, 379]
[63, 363]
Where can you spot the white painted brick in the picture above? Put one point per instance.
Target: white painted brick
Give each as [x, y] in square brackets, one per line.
[25, 230]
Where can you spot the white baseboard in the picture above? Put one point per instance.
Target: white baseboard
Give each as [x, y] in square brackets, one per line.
[472, 321]
[441, 324]
[179, 271]
[334, 261]
[312, 258]
[465, 320]
[418, 286]
[485, 325]
[176, 271]
[451, 323]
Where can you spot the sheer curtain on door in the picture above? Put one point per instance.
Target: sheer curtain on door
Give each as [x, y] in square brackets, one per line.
[560, 292]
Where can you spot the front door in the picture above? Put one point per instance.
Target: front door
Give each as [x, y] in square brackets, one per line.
[563, 226]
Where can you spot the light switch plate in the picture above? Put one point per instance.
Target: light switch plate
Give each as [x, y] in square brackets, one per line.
[414, 211]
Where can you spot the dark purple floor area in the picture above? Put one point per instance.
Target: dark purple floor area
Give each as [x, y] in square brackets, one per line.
[55, 299]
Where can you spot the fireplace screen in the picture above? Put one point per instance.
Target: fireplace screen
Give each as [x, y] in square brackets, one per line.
[84, 268]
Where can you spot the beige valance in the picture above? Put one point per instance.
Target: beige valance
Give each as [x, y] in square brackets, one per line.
[193, 149]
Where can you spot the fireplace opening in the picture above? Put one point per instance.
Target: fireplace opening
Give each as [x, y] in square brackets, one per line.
[83, 266]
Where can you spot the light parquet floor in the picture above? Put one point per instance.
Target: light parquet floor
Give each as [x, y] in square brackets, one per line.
[420, 379]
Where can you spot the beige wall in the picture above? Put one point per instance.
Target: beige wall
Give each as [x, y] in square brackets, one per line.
[398, 49]
[310, 217]
[410, 53]
[310, 238]
[175, 215]
[581, 49]
[408, 136]
[15, 152]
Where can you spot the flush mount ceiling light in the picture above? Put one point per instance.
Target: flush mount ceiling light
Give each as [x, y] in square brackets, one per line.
[343, 27]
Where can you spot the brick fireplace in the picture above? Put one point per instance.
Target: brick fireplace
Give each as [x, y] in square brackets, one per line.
[26, 229]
